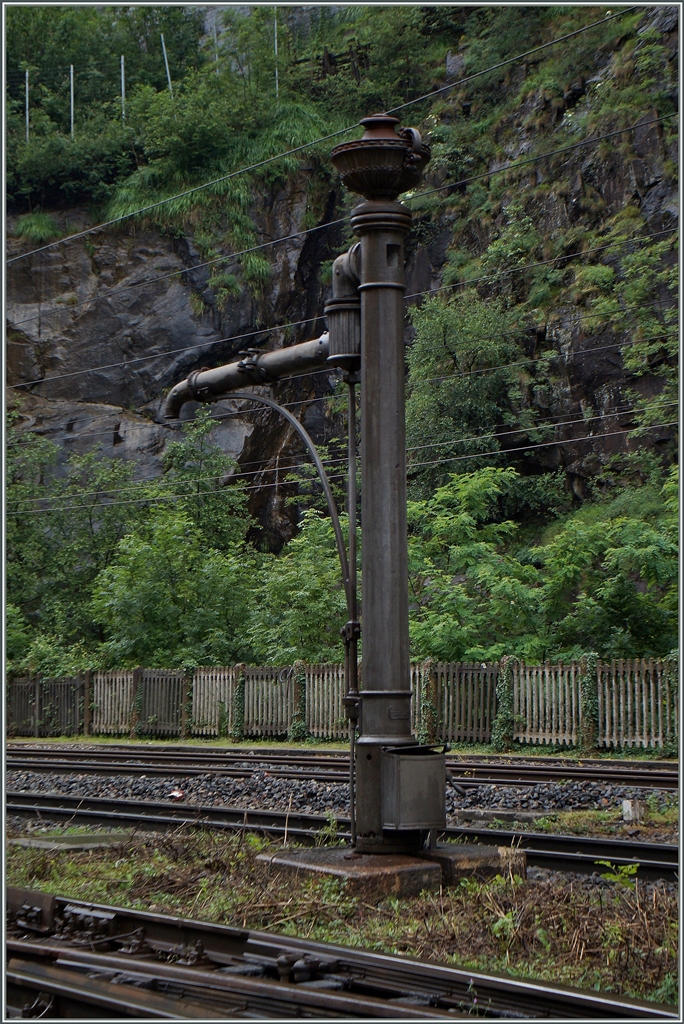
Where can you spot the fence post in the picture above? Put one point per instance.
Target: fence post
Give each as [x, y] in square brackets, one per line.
[504, 723]
[36, 707]
[238, 730]
[671, 710]
[297, 731]
[588, 687]
[187, 699]
[87, 700]
[427, 729]
[137, 701]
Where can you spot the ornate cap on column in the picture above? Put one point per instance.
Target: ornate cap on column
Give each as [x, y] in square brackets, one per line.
[385, 162]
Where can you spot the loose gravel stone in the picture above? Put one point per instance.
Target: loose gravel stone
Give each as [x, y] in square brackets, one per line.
[316, 796]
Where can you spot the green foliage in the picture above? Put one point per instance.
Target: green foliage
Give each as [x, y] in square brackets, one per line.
[298, 599]
[168, 600]
[455, 386]
[501, 563]
[36, 227]
[238, 730]
[621, 874]
[603, 580]
[297, 731]
[504, 723]
[589, 705]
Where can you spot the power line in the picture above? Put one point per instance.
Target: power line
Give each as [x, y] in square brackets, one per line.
[541, 263]
[543, 156]
[239, 474]
[544, 444]
[178, 273]
[511, 60]
[413, 295]
[319, 227]
[325, 138]
[331, 370]
[253, 487]
[171, 352]
[534, 359]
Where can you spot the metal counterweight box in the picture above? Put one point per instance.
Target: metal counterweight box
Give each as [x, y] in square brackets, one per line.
[413, 788]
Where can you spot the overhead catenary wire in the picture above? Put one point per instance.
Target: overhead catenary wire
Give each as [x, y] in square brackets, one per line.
[239, 473]
[542, 156]
[413, 295]
[23, 442]
[325, 138]
[329, 371]
[43, 315]
[284, 483]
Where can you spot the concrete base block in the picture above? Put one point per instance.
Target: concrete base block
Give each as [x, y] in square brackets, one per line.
[371, 875]
[634, 811]
[92, 841]
[461, 860]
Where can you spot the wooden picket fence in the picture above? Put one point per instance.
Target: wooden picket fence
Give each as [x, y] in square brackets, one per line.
[45, 707]
[325, 688]
[213, 700]
[546, 703]
[636, 702]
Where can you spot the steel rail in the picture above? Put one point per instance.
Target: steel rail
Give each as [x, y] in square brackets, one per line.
[557, 852]
[514, 771]
[399, 987]
[214, 994]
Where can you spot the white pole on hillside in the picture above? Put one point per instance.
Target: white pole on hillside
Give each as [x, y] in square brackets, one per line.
[166, 62]
[216, 47]
[27, 114]
[275, 45]
[123, 90]
[71, 76]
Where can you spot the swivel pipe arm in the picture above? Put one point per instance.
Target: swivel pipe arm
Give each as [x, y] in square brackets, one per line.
[254, 368]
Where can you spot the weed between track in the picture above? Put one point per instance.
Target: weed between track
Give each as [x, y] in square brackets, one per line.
[619, 936]
[661, 824]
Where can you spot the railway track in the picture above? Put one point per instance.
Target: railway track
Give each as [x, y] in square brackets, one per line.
[331, 766]
[557, 852]
[67, 958]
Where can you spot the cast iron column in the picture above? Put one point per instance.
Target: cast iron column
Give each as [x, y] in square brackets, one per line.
[380, 166]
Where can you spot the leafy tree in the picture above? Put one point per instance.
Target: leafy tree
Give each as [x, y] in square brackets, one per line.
[298, 603]
[196, 471]
[457, 389]
[169, 600]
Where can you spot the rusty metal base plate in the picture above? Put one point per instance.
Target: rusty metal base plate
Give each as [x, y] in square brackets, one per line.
[372, 875]
[470, 860]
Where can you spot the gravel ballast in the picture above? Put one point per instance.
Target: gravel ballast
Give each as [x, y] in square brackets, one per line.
[262, 790]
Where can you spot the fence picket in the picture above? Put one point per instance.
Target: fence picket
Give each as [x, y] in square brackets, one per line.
[636, 702]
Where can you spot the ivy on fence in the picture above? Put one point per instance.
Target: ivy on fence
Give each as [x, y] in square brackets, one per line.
[297, 731]
[238, 730]
[504, 724]
[589, 702]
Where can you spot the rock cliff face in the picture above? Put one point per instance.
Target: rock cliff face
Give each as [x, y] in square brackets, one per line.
[100, 328]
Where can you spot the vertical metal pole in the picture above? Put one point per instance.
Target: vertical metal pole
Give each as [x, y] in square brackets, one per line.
[71, 77]
[27, 106]
[386, 695]
[275, 46]
[351, 646]
[123, 90]
[216, 48]
[166, 62]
